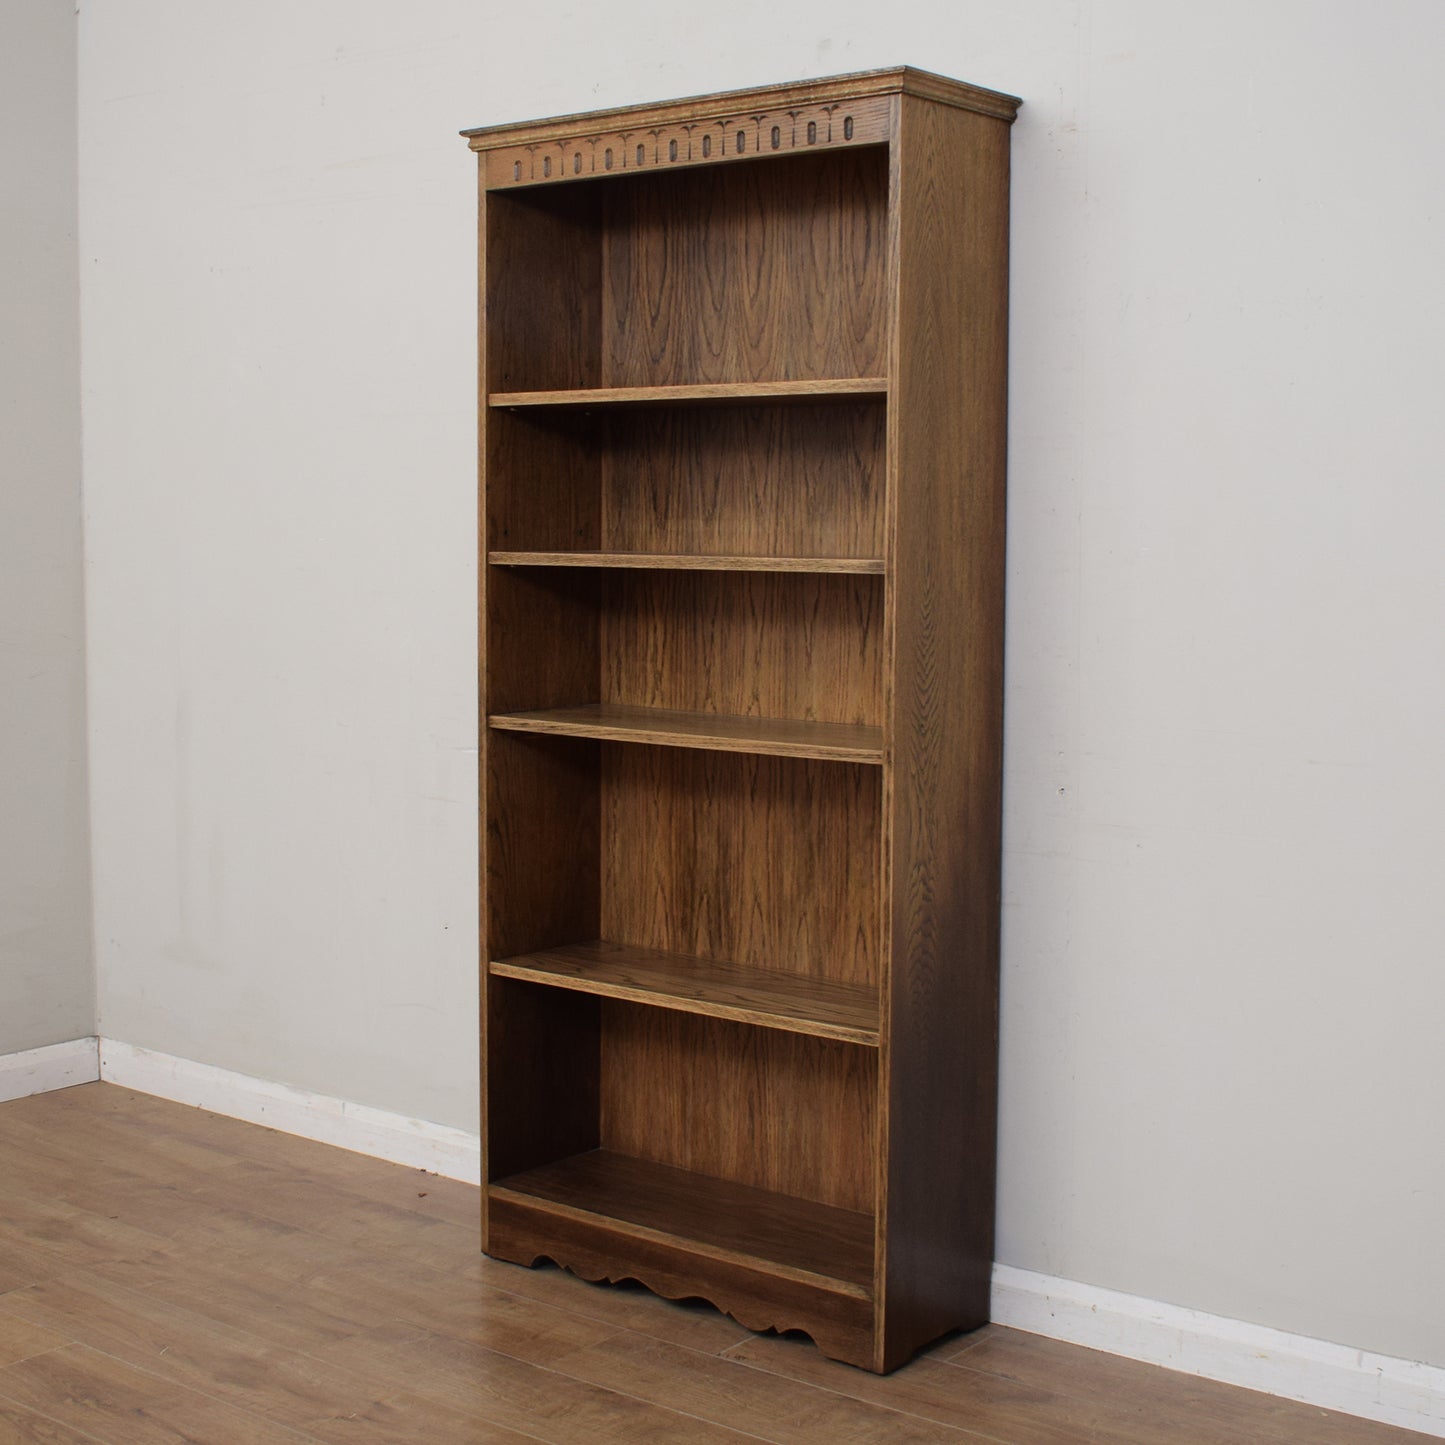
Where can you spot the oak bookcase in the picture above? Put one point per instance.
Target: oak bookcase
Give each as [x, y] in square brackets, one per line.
[742, 530]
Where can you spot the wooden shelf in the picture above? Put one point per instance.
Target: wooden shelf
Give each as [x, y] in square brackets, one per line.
[821, 1007]
[714, 393]
[796, 1239]
[775, 737]
[673, 561]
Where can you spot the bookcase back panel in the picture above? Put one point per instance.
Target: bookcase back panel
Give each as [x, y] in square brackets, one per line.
[778, 1111]
[784, 481]
[749, 644]
[772, 862]
[772, 271]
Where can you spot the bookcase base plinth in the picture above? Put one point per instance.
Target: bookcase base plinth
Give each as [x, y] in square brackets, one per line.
[840, 1324]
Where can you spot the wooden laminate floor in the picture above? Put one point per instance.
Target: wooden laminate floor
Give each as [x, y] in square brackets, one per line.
[169, 1275]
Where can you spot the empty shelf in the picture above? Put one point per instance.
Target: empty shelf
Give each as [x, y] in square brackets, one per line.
[777, 737]
[815, 1244]
[688, 562]
[822, 1007]
[723, 392]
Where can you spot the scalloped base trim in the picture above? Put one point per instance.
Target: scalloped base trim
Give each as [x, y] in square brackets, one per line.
[602, 1251]
[757, 1320]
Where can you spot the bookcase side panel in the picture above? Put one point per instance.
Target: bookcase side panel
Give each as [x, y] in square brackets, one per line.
[542, 630]
[543, 484]
[947, 495]
[542, 280]
[537, 640]
[541, 889]
[542, 1073]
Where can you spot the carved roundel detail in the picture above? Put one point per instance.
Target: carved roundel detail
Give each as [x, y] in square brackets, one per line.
[691, 143]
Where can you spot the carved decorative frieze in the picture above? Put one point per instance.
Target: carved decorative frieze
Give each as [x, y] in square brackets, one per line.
[691, 143]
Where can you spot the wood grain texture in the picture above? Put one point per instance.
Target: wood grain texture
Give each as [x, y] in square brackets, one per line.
[775, 737]
[749, 274]
[540, 1049]
[19, 1341]
[541, 288]
[723, 393]
[692, 985]
[314, 1397]
[766, 1405]
[947, 489]
[747, 480]
[949, 1398]
[19, 1426]
[85, 1390]
[694, 562]
[768, 862]
[541, 843]
[542, 636]
[773, 487]
[773, 480]
[764, 134]
[543, 472]
[752, 644]
[675, 1086]
[515, 1399]
[831, 1248]
[758, 1297]
[1011, 1386]
[266, 1290]
[542, 1071]
[743, 460]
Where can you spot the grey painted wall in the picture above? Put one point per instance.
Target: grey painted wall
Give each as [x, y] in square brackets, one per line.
[1222, 942]
[47, 982]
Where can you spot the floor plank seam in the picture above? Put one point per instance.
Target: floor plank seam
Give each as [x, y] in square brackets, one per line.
[423, 1393]
[971, 1342]
[220, 1400]
[362, 1378]
[961, 1430]
[74, 1430]
[49, 1419]
[415, 1391]
[553, 1369]
[963, 1433]
[37, 1355]
[600, 1318]
[209, 1277]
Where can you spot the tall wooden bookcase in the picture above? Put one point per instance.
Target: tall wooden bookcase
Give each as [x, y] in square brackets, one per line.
[742, 450]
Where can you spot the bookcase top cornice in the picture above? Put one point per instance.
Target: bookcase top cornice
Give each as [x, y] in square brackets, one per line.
[897, 80]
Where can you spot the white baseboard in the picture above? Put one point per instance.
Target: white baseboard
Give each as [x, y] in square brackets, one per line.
[56, 1066]
[443, 1150]
[1295, 1367]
